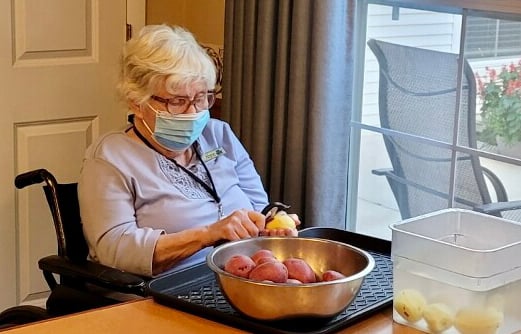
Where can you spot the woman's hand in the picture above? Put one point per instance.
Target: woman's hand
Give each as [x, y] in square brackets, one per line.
[240, 224]
[283, 232]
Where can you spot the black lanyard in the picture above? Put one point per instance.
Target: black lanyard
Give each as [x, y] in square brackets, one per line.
[212, 191]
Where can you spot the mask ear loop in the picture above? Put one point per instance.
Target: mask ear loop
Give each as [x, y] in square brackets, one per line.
[147, 127]
[142, 119]
[153, 109]
[149, 131]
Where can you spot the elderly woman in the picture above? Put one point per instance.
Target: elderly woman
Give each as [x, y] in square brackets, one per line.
[155, 196]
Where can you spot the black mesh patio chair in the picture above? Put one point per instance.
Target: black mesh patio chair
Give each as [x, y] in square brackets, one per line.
[82, 284]
[417, 95]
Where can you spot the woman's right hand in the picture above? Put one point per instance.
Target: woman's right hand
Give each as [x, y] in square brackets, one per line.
[240, 224]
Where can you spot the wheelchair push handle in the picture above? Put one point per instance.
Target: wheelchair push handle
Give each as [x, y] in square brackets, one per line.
[34, 177]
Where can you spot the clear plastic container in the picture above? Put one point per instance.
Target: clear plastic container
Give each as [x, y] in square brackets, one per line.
[457, 271]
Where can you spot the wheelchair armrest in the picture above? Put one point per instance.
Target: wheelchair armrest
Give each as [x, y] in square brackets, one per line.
[498, 207]
[94, 273]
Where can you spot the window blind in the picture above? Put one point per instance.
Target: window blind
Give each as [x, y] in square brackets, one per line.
[488, 37]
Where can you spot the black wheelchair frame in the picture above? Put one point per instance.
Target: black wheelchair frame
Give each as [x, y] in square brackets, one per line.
[80, 280]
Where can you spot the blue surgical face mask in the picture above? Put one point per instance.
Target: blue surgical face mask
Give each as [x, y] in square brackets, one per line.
[178, 132]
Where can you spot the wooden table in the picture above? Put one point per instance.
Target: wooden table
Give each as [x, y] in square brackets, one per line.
[146, 316]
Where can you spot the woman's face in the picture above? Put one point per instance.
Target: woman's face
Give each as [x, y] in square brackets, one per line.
[146, 110]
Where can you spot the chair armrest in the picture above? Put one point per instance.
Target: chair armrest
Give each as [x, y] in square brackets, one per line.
[94, 273]
[382, 171]
[498, 207]
[499, 189]
[492, 208]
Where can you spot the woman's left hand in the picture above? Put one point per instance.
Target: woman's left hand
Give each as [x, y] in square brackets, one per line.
[283, 232]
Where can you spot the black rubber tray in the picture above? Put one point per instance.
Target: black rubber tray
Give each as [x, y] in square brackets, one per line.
[195, 290]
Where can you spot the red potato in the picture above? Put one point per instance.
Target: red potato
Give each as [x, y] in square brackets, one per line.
[300, 270]
[239, 265]
[262, 253]
[293, 281]
[331, 275]
[266, 259]
[270, 271]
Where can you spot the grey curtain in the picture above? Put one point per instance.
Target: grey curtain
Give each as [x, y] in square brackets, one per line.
[287, 81]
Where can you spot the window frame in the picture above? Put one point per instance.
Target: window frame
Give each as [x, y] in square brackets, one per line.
[494, 9]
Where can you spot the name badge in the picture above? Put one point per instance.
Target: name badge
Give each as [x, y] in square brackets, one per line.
[213, 154]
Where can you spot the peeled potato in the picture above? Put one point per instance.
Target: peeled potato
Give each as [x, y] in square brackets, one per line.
[439, 317]
[410, 303]
[281, 220]
[474, 320]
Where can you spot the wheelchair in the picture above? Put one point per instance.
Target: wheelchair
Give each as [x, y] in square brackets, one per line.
[82, 284]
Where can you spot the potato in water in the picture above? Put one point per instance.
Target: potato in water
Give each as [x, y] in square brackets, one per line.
[476, 320]
[438, 316]
[410, 303]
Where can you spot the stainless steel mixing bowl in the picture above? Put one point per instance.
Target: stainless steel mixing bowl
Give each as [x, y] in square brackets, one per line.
[278, 301]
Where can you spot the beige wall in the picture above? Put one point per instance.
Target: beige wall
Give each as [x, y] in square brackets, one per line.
[204, 18]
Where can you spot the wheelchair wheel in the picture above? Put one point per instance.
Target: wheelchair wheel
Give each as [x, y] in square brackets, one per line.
[24, 314]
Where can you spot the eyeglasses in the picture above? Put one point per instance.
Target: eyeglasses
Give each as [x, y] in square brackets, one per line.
[179, 104]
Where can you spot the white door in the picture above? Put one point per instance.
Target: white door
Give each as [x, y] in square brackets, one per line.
[58, 68]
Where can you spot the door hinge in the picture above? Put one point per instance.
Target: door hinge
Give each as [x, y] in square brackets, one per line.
[129, 31]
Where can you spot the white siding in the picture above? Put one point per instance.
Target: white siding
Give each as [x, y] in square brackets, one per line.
[411, 28]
